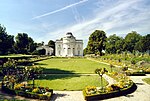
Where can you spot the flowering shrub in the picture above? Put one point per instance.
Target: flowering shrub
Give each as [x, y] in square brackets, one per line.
[90, 90]
[36, 90]
[18, 86]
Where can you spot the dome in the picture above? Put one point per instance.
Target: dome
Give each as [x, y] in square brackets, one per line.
[69, 35]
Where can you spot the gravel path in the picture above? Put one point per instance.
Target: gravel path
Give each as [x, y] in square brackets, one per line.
[109, 79]
[68, 96]
[141, 94]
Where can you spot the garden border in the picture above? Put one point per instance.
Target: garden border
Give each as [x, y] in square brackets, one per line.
[122, 92]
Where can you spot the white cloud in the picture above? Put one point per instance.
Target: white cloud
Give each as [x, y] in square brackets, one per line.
[119, 19]
[106, 20]
[61, 9]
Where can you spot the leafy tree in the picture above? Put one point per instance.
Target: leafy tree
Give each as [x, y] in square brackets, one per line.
[130, 40]
[24, 44]
[39, 52]
[114, 44]
[6, 41]
[96, 42]
[85, 51]
[144, 44]
[31, 45]
[21, 44]
[51, 44]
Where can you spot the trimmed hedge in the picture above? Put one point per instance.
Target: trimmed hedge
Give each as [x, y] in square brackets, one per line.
[112, 94]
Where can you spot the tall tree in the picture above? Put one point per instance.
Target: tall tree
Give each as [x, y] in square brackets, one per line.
[31, 45]
[144, 44]
[21, 44]
[114, 44]
[130, 40]
[6, 41]
[96, 42]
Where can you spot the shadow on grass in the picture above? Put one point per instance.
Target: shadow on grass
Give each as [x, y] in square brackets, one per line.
[53, 74]
[56, 71]
[40, 63]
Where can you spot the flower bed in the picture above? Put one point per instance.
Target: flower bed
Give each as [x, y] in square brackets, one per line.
[29, 92]
[108, 92]
[135, 73]
[123, 86]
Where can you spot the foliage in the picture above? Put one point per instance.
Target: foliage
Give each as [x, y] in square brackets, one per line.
[51, 44]
[10, 64]
[90, 90]
[6, 41]
[144, 44]
[130, 41]
[39, 52]
[24, 44]
[29, 92]
[114, 44]
[36, 90]
[100, 71]
[96, 42]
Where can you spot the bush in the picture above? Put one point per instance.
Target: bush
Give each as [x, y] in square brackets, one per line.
[35, 90]
[133, 61]
[90, 90]
[147, 70]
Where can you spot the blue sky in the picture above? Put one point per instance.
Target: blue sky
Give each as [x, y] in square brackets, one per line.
[46, 20]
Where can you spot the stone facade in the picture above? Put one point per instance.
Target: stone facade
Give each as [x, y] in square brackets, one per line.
[68, 46]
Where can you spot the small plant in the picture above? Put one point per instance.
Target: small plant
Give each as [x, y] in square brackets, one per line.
[36, 90]
[90, 90]
[18, 86]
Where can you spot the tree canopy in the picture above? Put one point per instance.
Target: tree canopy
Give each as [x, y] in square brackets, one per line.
[6, 41]
[130, 41]
[96, 42]
[114, 44]
[24, 44]
[143, 44]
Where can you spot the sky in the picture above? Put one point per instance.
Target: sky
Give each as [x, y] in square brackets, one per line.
[45, 20]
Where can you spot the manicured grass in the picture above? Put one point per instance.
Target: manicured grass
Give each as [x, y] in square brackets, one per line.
[64, 73]
[14, 55]
[76, 65]
[69, 82]
[147, 80]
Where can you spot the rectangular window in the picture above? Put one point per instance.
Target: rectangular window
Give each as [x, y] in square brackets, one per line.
[78, 52]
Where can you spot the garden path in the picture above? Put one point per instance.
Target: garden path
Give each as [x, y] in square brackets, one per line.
[141, 94]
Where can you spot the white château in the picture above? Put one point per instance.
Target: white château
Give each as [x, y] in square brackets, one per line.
[69, 46]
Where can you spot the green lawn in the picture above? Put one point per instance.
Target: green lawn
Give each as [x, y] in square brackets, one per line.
[69, 82]
[70, 66]
[65, 74]
[147, 80]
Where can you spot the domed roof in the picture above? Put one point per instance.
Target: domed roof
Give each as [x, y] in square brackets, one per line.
[69, 35]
